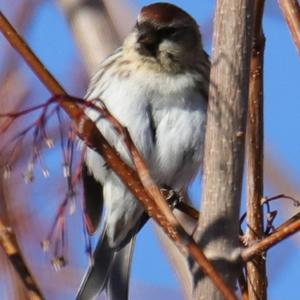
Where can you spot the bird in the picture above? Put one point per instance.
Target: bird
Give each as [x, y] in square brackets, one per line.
[156, 85]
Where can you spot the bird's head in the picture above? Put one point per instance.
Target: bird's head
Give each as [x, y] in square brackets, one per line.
[165, 37]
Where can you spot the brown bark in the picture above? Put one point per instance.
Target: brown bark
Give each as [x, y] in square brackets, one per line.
[256, 268]
[10, 246]
[291, 12]
[217, 231]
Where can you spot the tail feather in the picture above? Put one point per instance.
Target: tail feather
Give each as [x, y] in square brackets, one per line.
[110, 271]
[118, 279]
[111, 268]
[96, 277]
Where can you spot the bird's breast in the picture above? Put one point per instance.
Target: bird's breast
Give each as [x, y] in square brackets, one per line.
[179, 140]
[166, 120]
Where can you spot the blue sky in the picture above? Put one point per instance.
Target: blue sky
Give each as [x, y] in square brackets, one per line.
[50, 38]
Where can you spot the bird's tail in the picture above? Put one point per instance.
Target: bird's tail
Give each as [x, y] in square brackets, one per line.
[109, 271]
[118, 279]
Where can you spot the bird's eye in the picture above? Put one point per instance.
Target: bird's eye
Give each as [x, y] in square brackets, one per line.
[168, 32]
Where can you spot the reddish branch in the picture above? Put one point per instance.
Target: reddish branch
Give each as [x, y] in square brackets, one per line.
[256, 268]
[291, 12]
[88, 131]
[188, 210]
[287, 229]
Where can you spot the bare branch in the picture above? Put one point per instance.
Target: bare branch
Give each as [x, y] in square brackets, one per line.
[218, 227]
[92, 30]
[284, 231]
[10, 246]
[291, 12]
[256, 269]
[121, 14]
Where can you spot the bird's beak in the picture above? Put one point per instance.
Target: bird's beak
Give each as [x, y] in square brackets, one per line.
[147, 43]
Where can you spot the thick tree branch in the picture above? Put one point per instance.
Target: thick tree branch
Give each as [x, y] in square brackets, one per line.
[291, 12]
[88, 131]
[122, 14]
[92, 28]
[224, 143]
[256, 268]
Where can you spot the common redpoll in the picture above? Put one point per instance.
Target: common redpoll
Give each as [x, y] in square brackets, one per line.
[156, 85]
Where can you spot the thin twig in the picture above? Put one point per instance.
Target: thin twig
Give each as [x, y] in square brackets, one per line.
[284, 231]
[243, 286]
[88, 131]
[188, 210]
[266, 201]
[256, 268]
[291, 12]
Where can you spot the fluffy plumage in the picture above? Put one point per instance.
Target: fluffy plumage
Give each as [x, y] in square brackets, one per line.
[156, 86]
